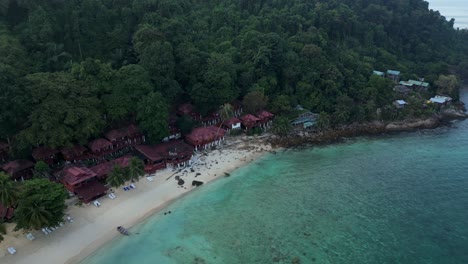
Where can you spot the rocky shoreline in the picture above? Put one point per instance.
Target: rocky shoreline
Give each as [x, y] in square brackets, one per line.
[319, 137]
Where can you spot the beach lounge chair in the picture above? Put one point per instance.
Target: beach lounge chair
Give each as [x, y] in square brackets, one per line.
[53, 228]
[11, 250]
[30, 236]
[110, 196]
[45, 231]
[61, 224]
[97, 203]
[48, 230]
[69, 219]
[150, 178]
[125, 188]
[132, 186]
[113, 195]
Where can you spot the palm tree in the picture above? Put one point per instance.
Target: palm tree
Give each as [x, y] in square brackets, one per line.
[32, 215]
[136, 169]
[8, 191]
[116, 177]
[225, 112]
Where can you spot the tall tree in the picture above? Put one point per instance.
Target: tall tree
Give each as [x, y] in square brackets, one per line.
[136, 169]
[254, 101]
[153, 115]
[42, 204]
[116, 177]
[9, 192]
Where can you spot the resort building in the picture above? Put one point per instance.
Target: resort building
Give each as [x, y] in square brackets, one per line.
[48, 155]
[125, 136]
[250, 121]
[266, 118]
[441, 100]
[415, 85]
[100, 147]
[393, 75]
[19, 169]
[75, 153]
[103, 169]
[205, 137]
[152, 159]
[211, 119]
[230, 124]
[400, 104]
[82, 182]
[175, 153]
[378, 73]
[307, 119]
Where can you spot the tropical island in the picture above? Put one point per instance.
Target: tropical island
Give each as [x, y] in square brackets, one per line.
[96, 95]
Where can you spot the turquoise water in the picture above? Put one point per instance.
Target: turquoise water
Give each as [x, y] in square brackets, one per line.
[393, 199]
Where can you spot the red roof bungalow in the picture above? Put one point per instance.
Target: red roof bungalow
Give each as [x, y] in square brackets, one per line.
[100, 147]
[175, 152]
[188, 109]
[233, 123]
[19, 169]
[203, 137]
[103, 169]
[151, 157]
[265, 117]
[83, 182]
[74, 153]
[46, 154]
[6, 213]
[125, 136]
[3, 150]
[212, 119]
[250, 121]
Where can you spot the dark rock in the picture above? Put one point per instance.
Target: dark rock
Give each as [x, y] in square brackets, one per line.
[181, 182]
[197, 183]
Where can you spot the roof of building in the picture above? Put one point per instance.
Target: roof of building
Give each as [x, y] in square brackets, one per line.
[150, 152]
[409, 84]
[42, 153]
[17, 165]
[232, 121]
[73, 175]
[105, 168]
[379, 73]
[393, 72]
[401, 102]
[302, 120]
[123, 132]
[203, 135]
[440, 99]
[419, 83]
[90, 190]
[249, 118]
[72, 152]
[262, 114]
[99, 144]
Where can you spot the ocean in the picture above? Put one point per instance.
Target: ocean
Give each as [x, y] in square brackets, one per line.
[457, 9]
[391, 199]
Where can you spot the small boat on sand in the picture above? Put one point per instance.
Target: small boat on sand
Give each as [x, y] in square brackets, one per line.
[123, 231]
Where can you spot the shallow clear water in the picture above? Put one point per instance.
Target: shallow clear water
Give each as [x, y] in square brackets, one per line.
[393, 199]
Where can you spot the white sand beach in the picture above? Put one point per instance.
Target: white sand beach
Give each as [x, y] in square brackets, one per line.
[92, 226]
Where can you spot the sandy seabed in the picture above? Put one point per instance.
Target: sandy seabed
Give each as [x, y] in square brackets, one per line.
[92, 227]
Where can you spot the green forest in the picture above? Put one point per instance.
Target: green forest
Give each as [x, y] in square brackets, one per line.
[70, 69]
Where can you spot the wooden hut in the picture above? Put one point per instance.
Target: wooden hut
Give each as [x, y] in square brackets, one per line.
[82, 182]
[75, 153]
[19, 169]
[151, 157]
[266, 118]
[103, 169]
[46, 154]
[250, 121]
[233, 123]
[175, 152]
[100, 147]
[125, 136]
[204, 137]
